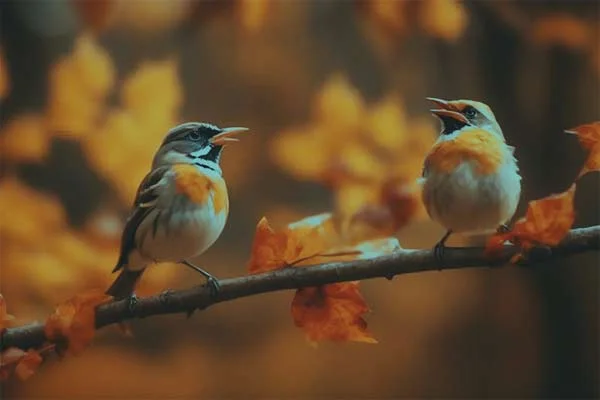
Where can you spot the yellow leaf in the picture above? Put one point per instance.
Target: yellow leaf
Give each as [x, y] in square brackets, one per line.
[24, 139]
[340, 107]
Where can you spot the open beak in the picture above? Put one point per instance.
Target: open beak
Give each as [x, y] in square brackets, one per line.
[443, 104]
[442, 113]
[226, 136]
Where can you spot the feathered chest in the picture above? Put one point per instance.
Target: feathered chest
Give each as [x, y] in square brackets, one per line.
[485, 151]
[199, 188]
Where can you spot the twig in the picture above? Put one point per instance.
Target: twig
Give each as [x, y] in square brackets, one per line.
[401, 262]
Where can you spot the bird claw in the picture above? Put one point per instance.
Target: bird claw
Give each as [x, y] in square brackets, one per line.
[214, 286]
[164, 296]
[132, 303]
[503, 229]
[438, 250]
[438, 254]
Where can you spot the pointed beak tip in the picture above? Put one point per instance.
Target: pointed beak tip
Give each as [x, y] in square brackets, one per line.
[439, 102]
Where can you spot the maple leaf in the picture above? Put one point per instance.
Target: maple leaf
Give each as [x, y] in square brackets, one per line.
[332, 312]
[28, 364]
[312, 240]
[589, 137]
[300, 240]
[74, 320]
[4, 316]
[547, 222]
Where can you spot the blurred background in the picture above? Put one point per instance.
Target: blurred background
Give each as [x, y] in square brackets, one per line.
[334, 93]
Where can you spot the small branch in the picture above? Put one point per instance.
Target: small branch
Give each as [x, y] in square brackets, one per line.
[401, 262]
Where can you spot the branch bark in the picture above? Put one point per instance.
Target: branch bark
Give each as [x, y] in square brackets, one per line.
[401, 262]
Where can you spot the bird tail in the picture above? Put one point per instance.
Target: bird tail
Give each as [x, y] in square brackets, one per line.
[125, 283]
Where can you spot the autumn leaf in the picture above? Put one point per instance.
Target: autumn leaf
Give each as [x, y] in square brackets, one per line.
[5, 318]
[24, 139]
[276, 249]
[332, 312]
[74, 320]
[335, 312]
[369, 155]
[562, 29]
[78, 87]
[445, 19]
[28, 364]
[589, 137]
[8, 360]
[546, 222]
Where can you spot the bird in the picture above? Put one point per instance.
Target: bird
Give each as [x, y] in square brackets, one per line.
[470, 179]
[180, 208]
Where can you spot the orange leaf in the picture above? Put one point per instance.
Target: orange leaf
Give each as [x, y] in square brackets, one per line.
[563, 30]
[8, 359]
[300, 240]
[589, 137]
[75, 320]
[28, 365]
[332, 312]
[547, 221]
[269, 250]
[4, 316]
[310, 241]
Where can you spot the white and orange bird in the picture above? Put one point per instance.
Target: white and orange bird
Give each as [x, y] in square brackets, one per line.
[471, 182]
[181, 205]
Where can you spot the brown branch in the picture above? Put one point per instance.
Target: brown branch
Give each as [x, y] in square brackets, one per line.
[401, 262]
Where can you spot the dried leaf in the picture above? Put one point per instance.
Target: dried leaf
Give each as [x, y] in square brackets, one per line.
[5, 318]
[332, 312]
[74, 320]
[28, 364]
[276, 249]
[547, 222]
[589, 137]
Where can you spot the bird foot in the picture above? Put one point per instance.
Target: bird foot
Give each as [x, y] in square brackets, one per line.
[132, 302]
[214, 286]
[503, 229]
[438, 254]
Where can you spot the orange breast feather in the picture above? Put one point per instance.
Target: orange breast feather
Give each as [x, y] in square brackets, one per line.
[199, 187]
[477, 145]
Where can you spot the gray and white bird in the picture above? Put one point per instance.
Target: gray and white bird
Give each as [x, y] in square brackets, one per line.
[181, 205]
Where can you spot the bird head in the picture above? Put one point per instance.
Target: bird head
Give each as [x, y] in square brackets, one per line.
[195, 143]
[474, 113]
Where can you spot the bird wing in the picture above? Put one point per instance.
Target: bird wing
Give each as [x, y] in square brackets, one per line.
[145, 199]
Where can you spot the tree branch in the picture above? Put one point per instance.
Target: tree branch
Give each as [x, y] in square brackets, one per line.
[401, 262]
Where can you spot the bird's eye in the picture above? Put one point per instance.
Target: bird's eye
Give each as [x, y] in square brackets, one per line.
[194, 136]
[470, 112]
